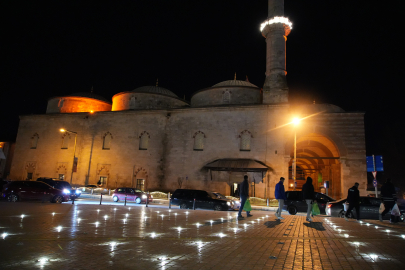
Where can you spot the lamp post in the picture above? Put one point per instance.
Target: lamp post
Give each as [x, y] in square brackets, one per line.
[74, 151]
[295, 121]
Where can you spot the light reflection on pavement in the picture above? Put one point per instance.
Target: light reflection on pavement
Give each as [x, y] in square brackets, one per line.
[92, 236]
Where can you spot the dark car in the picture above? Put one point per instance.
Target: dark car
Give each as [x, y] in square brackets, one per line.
[369, 209]
[62, 185]
[295, 203]
[203, 199]
[132, 195]
[33, 190]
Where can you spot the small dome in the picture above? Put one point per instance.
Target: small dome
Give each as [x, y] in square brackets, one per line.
[234, 83]
[89, 95]
[155, 90]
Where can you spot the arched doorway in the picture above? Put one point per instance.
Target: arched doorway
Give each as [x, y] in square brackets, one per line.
[318, 156]
[139, 180]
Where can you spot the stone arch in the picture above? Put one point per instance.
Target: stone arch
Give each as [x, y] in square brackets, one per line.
[29, 170]
[319, 154]
[199, 137]
[140, 178]
[34, 141]
[107, 138]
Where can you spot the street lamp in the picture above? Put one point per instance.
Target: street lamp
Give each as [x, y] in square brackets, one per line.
[74, 151]
[295, 121]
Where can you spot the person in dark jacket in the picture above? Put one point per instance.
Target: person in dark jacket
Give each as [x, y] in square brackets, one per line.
[244, 195]
[353, 198]
[389, 198]
[308, 194]
[280, 196]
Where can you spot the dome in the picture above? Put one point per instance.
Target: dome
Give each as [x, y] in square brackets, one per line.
[155, 90]
[232, 83]
[89, 95]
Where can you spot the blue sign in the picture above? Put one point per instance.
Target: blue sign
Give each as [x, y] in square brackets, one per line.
[379, 164]
[370, 163]
[375, 183]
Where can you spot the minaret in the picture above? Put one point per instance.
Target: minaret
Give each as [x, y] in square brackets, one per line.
[275, 29]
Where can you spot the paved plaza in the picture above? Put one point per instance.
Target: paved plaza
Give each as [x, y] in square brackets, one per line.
[38, 235]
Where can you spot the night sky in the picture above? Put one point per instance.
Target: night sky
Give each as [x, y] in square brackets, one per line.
[347, 53]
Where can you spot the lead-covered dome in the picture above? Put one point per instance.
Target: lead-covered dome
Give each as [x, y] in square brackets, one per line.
[232, 92]
[147, 97]
[78, 102]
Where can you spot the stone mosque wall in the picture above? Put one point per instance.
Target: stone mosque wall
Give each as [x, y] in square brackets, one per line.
[170, 160]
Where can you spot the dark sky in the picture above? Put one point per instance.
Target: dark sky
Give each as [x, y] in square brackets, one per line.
[348, 53]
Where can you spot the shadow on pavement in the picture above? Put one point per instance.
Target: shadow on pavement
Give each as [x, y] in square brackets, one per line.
[315, 225]
[272, 224]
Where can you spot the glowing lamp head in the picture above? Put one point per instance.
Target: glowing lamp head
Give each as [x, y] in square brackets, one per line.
[62, 130]
[91, 111]
[296, 121]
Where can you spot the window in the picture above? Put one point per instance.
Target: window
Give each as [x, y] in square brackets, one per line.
[132, 102]
[34, 141]
[120, 190]
[29, 176]
[107, 141]
[144, 141]
[226, 97]
[245, 137]
[65, 141]
[140, 184]
[199, 141]
[61, 177]
[102, 182]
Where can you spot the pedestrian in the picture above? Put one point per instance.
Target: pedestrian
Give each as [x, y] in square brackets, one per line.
[389, 198]
[280, 196]
[308, 194]
[236, 193]
[244, 195]
[353, 198]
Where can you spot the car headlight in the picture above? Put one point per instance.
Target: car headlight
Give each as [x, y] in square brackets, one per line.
[144, 196]
[78, 191]
[228, 203]
[66, 191]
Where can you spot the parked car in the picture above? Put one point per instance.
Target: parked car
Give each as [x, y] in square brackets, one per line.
[62, 185]
[132, 195]
[295, 203]
[369, 209]
[234, 203]
[33, 190]
[203, 199]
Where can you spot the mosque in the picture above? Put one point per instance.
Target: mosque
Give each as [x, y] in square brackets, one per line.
[151, 139]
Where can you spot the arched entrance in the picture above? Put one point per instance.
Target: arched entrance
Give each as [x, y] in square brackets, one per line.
[319, 157]
[139, 180]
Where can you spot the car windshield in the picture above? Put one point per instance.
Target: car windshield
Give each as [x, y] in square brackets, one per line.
[214, 195]
[219, 195]
[62, 185]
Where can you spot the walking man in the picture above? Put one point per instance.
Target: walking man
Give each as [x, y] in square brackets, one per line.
[308, 194]
[280, 196]
[244, 195]
[353, 198]
[389, 197]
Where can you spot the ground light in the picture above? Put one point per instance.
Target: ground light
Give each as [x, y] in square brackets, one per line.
[59, 228]
[4, 235]
[153, 235]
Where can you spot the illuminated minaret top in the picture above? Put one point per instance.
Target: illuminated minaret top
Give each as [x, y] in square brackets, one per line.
[276, 29]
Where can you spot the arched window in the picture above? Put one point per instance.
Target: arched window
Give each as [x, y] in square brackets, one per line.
[107, 141]
[144, 140]
[65, 140]
[226, 97]
[34, 141]
[245, 139]
[199, 141]
[132, 101]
